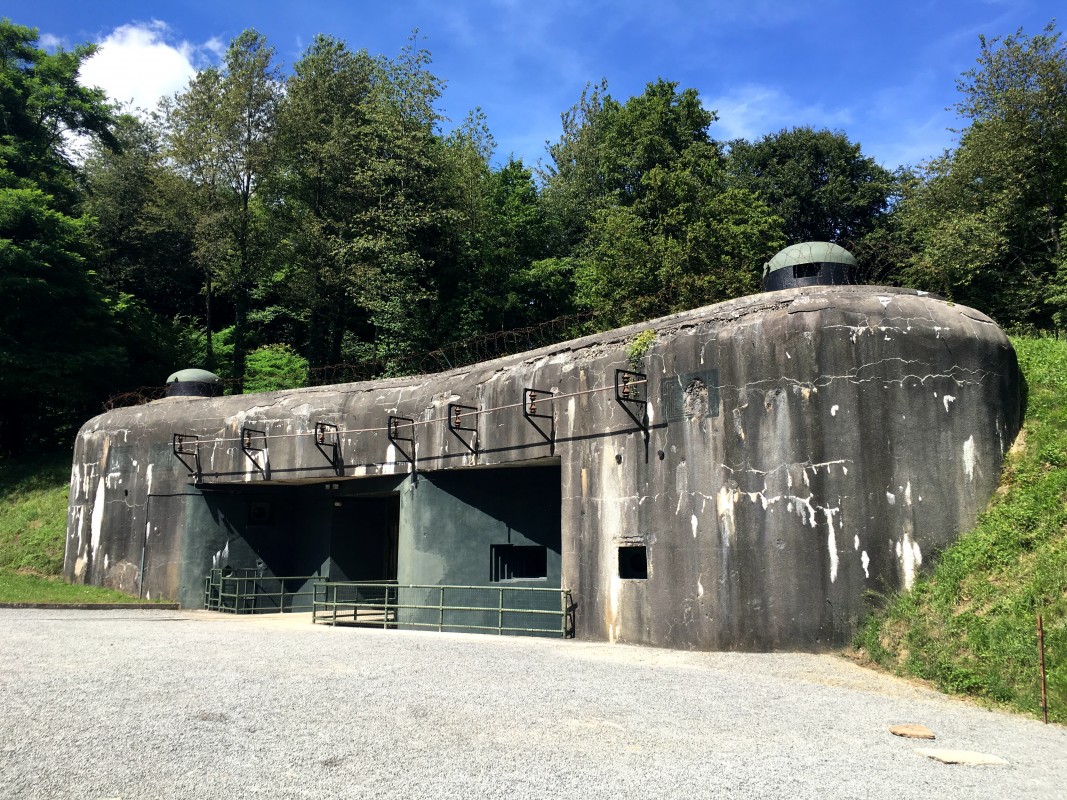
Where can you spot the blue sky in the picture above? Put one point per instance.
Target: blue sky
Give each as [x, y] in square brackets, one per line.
[882, 71]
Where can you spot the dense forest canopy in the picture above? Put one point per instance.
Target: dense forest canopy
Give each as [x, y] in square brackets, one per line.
[266, 223]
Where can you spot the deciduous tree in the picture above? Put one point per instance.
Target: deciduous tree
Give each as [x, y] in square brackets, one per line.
[986, 220]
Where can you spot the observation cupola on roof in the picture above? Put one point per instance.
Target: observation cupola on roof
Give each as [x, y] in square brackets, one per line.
[194, 383]
[810, 264]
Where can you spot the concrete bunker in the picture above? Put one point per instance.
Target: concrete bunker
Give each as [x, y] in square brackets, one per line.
[769, 461]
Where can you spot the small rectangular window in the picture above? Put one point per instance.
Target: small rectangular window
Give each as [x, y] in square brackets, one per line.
[513, 562]
[633, 562]
[806, 270]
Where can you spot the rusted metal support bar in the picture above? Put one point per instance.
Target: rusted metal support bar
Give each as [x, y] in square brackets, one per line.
[249, 438]
[459, 420]
[187, 445]
[630, 393]
[328, 442]
[530, 398]
[393, 429]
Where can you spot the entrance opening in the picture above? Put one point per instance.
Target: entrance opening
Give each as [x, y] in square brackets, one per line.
[364, 539]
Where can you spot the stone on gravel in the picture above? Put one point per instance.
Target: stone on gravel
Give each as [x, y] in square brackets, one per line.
[969, 757]
[912, 731]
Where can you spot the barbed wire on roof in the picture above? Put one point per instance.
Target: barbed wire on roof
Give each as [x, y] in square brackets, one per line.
[464, 352]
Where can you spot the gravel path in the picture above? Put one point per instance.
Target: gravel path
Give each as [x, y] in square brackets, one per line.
[122, 704]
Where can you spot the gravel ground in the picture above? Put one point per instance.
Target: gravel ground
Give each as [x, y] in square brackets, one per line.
[153, 704]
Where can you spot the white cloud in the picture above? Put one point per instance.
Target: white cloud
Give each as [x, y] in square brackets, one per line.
[50, 42]
[139, 63]
[892, 126]
[752, 111]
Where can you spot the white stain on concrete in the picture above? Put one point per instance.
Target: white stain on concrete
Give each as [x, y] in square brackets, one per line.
[907, 494]
[613, 597]
[946, 400]
[833, 410]
[97, 521]
[855, 542]
[221, 556]
[865, 560]
[681, 485]
[969, 458]
[911, 558]
[693, 522]
[891, 498]
[831, 540]
[700, 587]
[724, 504]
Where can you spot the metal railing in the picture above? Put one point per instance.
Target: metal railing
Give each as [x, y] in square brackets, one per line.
[517, 610]
[246, 591]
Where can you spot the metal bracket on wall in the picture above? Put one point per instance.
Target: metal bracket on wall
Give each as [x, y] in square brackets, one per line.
[187, 445]
[393, 429]
[457, 422]
[630, 392]
[328, 442]
[530, 399]
[249, 439]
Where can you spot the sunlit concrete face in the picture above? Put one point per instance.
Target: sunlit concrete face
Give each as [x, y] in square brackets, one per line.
[803, 446]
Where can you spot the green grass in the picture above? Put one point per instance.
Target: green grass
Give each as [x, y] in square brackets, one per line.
[969, 626]
[23, 588]
[33, 520]
[33, 512]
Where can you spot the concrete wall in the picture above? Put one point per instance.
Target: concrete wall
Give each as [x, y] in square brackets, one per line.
[804, 446]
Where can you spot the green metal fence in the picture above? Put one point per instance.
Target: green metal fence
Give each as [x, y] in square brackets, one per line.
[515, 610]
[246, 591]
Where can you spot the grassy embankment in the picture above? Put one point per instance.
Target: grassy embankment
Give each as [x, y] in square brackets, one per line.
[969, 626]
[33, 519]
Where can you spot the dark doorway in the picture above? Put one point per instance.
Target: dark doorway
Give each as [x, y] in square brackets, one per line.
[364, 538]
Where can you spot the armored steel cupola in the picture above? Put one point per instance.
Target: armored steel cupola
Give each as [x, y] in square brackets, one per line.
[194, 383]
[810, 264]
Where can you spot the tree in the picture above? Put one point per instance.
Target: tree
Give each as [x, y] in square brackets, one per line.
[818, 182]
[58, 353]
[664, 232]
[219, 135]
[355, 197]
[143, 231]
[497, 231]
[986, 220]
